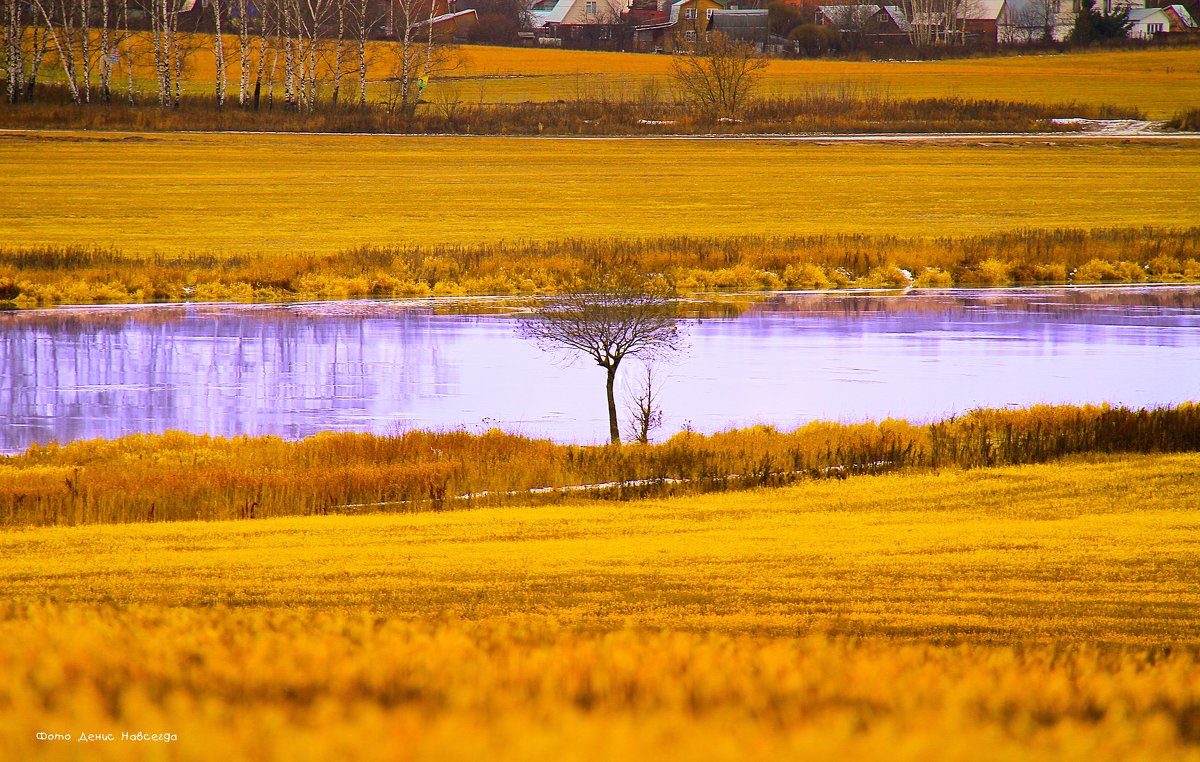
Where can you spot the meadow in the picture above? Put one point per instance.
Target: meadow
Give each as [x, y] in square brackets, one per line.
[1159, 83]
[231, 217]
[270, 195]
[1032, 612]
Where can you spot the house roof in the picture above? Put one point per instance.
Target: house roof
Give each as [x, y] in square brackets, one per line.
[983, 10]
[740, 19]
[1139, 15]
[896, 13]
[1184, 17]
[461, 16]
[555, 15]
[842, 14]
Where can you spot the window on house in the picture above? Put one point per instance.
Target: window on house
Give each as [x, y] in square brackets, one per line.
[689, 35]
[1153, 28]
[708, 36]
[690, 14]
[708, 14]
[590, 9]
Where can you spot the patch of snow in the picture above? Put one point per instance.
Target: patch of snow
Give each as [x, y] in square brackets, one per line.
[1112, 126]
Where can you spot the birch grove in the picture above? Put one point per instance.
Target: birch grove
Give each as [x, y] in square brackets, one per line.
[310, 50]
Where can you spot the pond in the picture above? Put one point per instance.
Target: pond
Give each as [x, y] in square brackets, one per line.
[781, 359]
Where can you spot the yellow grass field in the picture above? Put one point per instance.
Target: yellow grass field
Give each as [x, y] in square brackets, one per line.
[1044, 612]
[1160, 83]
[271, 194]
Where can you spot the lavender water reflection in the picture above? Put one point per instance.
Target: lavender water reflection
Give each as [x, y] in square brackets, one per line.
[783, 360]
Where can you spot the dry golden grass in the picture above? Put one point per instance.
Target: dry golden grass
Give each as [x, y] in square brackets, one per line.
[1039, 612]
[286, 194]
[181, 477]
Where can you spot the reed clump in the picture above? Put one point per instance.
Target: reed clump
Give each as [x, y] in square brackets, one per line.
[177, 476]
[48, 275]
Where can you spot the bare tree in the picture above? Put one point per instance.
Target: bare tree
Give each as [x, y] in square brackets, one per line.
[645, 412]
[718, 77]
[1036, 20]
[608, 319]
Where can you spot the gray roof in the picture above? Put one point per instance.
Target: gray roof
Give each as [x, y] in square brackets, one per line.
[748, 19]
[1141, 14]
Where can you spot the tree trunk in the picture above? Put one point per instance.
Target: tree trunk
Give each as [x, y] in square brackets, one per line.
[41, 43]
[128, 44]
[337, 51]
[14, 39]
[614, 429]
[362, 54]
[85, 43]
[106, 65]
[65, 56]
[243, 53]
[219, 54]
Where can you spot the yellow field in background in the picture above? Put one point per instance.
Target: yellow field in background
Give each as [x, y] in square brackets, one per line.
[1042, 612]
[268, 194]
[1161, 83]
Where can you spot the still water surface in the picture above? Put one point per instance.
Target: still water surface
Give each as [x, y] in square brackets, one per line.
[388, 367]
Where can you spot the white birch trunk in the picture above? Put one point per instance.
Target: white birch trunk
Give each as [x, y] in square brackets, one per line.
[64, 54]
[337, 49]
[127, 44]
[219, 53]
[362, 54]
[177, 57]
[105, 62]
[289, 64]
[85, 40]
[243, 53]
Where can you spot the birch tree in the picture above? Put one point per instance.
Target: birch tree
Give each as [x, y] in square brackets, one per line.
[243, 8]
[219, 54]
[364, 17]
[106, 64]
[62, 35]
[14, 49]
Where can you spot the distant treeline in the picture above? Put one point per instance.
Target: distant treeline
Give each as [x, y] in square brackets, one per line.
[33, 277]
[178, 476]
[844, 109]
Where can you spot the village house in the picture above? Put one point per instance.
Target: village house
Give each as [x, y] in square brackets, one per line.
[749, 26]
[686, 24]
[1148, 23]
[985, 22]
[578, 23]
[865, 22]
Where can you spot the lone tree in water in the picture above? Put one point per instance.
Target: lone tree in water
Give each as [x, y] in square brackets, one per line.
[609, 318]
